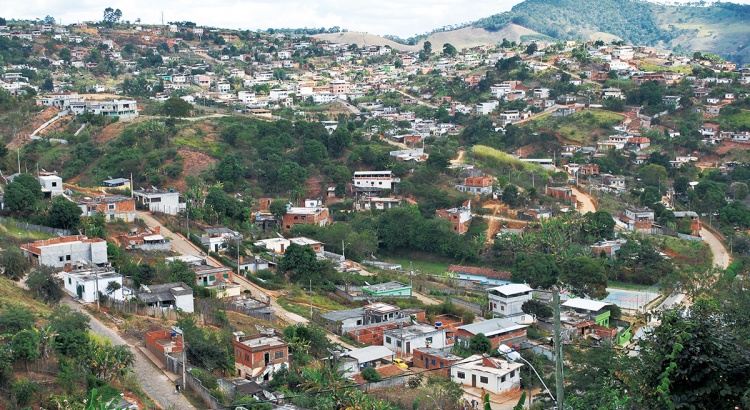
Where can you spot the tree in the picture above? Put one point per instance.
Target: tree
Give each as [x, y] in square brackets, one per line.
[13, 262]
[25, 346]
[652, 174]
[43, 282]
[480, 344]
[599, 224]
[584, 277]
[64, 214]
[539, 270]
[301, 264]
[180, 271]
[510, 195]
[681, 185]
[692, 360]
[111, 16]
[532, 48]
[15, 319]
[278, 208]
[371, 375]
[72, 331]
[449, 50]
[539, 309]
[427, 47]
[22, 194]
[176, 107]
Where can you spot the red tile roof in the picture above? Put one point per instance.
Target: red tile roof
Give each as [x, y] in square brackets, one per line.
[486, 272]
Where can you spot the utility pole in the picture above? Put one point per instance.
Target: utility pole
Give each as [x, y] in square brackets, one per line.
[311, 296]
[558, 350]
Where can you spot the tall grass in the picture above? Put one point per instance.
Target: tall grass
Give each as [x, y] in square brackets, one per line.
[499, 159]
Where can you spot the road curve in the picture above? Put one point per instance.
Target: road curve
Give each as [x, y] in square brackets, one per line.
[721, 256]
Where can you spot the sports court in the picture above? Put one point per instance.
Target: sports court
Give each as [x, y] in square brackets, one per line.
[631, 299]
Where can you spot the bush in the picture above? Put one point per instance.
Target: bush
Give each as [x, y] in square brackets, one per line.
[22, 391]
[371, 375]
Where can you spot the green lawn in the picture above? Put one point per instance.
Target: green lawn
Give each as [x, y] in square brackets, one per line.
[420, 266]
[581, 126]
[628, 286]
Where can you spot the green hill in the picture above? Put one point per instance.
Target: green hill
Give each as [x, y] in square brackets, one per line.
[719, 28]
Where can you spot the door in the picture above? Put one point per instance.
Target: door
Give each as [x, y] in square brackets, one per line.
[408, 347]
[79, 291]
[267, 357]
[473, 380]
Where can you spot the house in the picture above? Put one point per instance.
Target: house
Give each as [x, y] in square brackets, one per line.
[316, 246]
[122, 109]
[409, 155]
[371, 202]
[258, 357]
[312, 213]
[615, 93]
[507, 300]
[189, 259]
[589, 169]
[375, 313]
[431, 358]
[354, 361]
[111, 206]
[695, 223]
[564, 193]
[489, 373]
[405, 338]
[459, 217]
[639, 219]
[163, 343]
[117, 183]
[593, 310]
[174, 295]
[371, 183]
[476, 185]
[253, 263]
[387, 289]
[51, 183]
[498, 330]
[217, 239]
[145, 239]
[207, 276]
[156, 200]
[88, 283]
[608, 247]
[66, 251]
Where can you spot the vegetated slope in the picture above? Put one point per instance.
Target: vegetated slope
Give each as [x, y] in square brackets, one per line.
[720, 28]
[461, 38]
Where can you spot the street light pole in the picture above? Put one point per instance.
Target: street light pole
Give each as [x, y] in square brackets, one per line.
[437, 406]
[184, 355]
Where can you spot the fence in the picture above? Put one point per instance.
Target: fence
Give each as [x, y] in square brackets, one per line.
[251, 307]
[37, 366]
[389, 382]
[36, 228]
[138, 308]
[205, 394]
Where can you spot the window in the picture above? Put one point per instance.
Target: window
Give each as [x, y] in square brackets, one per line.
[433, 362]
[61, 259]
[441, 365]
[502, 379]
[111, 207]
[502, 307]
[398, 343]
[513, 374]
[69, 281]
[278, 354]
[388, 339]
[155, 200]
[247, 357]
[461, 375]
[67, 257]
[483, 379]
[428, 339]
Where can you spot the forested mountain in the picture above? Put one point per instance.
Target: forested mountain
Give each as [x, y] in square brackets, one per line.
[718, 28]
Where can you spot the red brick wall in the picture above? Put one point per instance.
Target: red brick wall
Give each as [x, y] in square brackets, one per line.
[418, 360]
[254, 357]
[156, 348]
[505, 338]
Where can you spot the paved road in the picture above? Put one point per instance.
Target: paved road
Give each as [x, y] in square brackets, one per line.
[180, 244]
[721, 256]
[153, 381]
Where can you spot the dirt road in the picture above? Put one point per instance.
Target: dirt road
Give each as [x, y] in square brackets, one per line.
[721, 256]
[587, 205]
[153, 381]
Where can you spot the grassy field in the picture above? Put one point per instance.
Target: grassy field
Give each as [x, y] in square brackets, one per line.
[10, 294]
[496, 159]
[10, 232]
[581, 126]
[649, 66]
[420, 266]
[628, 286]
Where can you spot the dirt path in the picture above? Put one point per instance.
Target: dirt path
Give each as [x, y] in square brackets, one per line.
[721, 256]
[460, 159]
[153, 381]
[418, 100]
[584, 199]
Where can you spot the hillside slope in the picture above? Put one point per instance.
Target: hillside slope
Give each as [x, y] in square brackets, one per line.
[719, 28]
[462, 38]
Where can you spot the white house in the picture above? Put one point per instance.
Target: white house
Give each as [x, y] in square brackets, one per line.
[490, 373]
[85, 283]
[508, 299]
[404, 340]
[356, 360]
[175, 295]
[167, 202]
[51, 184]
[373, 181]
[66, 251]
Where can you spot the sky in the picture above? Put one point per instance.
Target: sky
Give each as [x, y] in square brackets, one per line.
[403, 18]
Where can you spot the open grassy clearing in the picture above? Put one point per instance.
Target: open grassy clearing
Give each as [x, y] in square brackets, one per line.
[498, 159]
[581, 126]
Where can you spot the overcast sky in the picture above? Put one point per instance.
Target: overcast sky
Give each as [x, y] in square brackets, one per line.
[403, 18]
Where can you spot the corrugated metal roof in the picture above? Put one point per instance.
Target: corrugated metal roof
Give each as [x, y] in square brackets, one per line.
[491, 327]
[586, 304]
[370, 353]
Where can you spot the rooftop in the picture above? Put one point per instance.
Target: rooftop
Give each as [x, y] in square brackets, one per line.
[259, 341]
[511, 289]
[491, 327]
[441, 353]
[585, 304]
[384, 287]
[90, 274]
[370, 353]
[408, 332]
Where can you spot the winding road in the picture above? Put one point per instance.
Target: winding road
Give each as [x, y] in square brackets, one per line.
[721, 256]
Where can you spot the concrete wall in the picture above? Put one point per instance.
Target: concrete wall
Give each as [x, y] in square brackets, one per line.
[96, 252]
